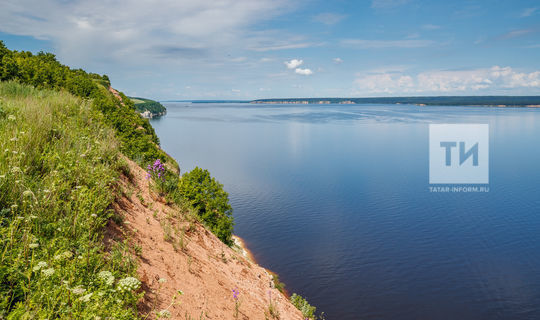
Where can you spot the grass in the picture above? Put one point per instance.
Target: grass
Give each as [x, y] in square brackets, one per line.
[59, 165]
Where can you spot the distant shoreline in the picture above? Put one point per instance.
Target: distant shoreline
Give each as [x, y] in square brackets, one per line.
[487, 101]
[471, 101]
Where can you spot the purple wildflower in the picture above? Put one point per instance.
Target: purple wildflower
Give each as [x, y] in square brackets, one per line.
[236, 293]
[156, 170]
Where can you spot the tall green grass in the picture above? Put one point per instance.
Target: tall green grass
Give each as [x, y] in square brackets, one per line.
[59, 163]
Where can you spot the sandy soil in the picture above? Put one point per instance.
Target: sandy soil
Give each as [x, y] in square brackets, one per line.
[175, 252]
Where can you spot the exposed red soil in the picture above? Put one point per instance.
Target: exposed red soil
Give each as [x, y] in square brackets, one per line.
[191, 259]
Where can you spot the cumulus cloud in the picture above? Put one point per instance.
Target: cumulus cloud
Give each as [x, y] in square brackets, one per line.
[304, 72]
[337, 60]
[447, 81]
[294, 63]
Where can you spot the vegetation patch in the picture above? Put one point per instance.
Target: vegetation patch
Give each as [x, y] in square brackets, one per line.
[58, 164]
[154, 108]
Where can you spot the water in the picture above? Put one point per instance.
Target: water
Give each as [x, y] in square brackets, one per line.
[335, 199]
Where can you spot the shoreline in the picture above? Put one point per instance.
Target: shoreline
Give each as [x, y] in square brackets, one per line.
[241, 247]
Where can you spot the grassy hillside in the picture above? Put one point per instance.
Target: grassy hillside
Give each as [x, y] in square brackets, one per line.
[63, 136]
[58, 165]
[137, 138]
[153, 107]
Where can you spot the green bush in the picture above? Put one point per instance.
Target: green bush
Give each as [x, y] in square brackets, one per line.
[206, 195]
[303, 305]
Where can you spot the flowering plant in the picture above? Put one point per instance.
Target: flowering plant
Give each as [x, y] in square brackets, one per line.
[236, 295]
[156, 172]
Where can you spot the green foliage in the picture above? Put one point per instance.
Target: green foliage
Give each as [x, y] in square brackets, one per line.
[137, 137]
[58, 165]
[206, 195]
[277, 283]
[302, 304]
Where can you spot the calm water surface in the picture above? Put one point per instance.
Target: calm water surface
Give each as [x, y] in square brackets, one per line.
[335, 199]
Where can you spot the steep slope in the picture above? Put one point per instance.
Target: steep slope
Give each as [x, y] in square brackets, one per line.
[175, 252]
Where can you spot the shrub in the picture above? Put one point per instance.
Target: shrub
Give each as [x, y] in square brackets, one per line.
[302, 304]
[206, 195]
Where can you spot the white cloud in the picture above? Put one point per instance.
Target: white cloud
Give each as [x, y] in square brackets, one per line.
[304, 72]
[529, 12]
[516, 33]
[431, 26]
[138, 30]
[329, 18]
[446, 81]
[278, 45]
[337, 60]
[294, 63]
[384, 4]
[377, 44]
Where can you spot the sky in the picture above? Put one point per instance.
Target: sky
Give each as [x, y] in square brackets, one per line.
[249, 49]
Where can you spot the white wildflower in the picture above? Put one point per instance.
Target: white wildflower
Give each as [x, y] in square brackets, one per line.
[33, 245]
[14, 206]
[64, 255]
[16, 170]
[107, 277]
[78, 290]
[164, 314]
[15, 152]
[162, 280]
[86, 298]
[40, 265]
[128, 284]
[33, 217]
[27, 193]
[13, 139]
[48, 272]
[93, 215]
[11, 117]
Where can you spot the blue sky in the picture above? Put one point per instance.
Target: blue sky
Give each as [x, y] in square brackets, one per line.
[247, 49]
